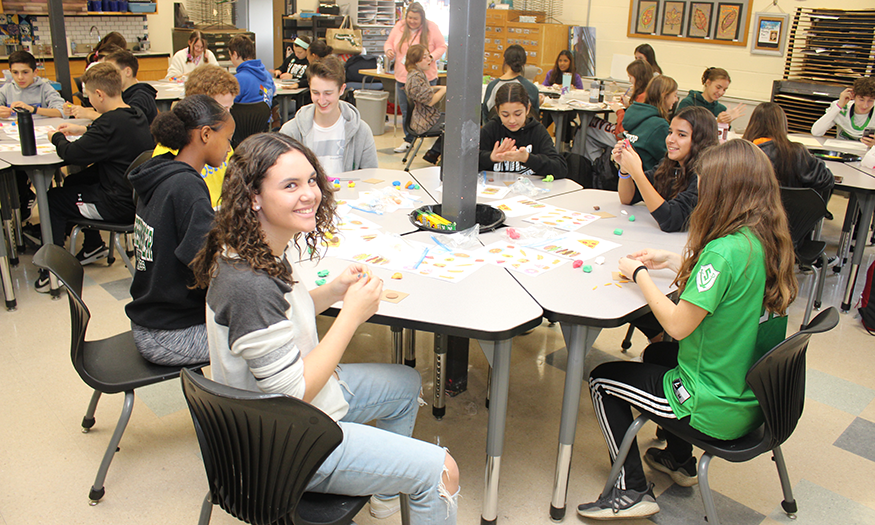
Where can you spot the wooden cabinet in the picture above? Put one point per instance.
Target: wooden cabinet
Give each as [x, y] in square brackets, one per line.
[542, 42]
[151, 68]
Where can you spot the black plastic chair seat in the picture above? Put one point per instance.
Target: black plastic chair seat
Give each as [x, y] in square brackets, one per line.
[115, 365]
[320, 509]
[119, 227]
[738, 450]
[809, 251]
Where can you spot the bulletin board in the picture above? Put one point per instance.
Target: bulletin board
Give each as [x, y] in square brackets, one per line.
[721, 22]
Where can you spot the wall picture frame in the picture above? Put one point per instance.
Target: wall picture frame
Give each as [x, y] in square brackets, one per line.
[770, 34]
[728, 21]
[645, 20]
[699, 20]
[673, 18]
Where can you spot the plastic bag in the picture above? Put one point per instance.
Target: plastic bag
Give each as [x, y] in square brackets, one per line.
[531, 234]
[525, 186]
[462, 240]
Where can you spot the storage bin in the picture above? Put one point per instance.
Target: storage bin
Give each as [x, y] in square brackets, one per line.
[372, 107]
[141, 7]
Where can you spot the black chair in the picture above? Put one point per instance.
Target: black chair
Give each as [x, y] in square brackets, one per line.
[805, 209]
[250, 119]
[109, 366]
[260, 452]
[778, 381]
[117, 229]
[416, 137]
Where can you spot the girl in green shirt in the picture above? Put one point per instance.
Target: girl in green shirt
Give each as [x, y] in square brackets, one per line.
[737, 264]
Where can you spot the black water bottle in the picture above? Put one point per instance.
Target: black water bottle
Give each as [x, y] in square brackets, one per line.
[25, 132]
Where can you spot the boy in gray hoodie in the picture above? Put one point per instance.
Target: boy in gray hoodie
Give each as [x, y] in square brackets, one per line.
[27, 90]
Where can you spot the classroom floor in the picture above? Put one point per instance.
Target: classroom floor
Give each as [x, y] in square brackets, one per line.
[47, 465]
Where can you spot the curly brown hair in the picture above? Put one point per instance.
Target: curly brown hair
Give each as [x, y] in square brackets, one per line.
[211, 81]
[237, 229]
[864, 87]
[738, 189]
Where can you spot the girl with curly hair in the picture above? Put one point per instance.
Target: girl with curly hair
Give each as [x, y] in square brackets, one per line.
[262, 331]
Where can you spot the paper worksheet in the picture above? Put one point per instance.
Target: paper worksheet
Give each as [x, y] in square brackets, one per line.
[846, 144]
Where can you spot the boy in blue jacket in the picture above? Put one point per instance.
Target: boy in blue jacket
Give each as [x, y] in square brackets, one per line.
[256, 82]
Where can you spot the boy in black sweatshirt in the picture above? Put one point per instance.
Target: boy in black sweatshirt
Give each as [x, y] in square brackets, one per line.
[107, 147]
[134, 93]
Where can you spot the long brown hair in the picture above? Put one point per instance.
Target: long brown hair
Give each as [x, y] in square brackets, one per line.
[236, 227]
[672, 177]
[555, 74]
[737, 189]
[641, 71]
[414, 55]
[650, 55]
[715, 73]
[657, 90]
[417, 8]
[768, 121]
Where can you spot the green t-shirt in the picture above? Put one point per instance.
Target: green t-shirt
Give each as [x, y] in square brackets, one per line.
[709, 384]
[694, 98]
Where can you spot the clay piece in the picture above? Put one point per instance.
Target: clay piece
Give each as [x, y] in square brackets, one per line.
[577, 264]
[391, 295]
[587, 269]
[618, 231]
[396, 275]
[596, 208]
[320, 282]
[396, 183]
[512, 233]
[548, 178]
[599, 260]
[631, 218]
[351, 184]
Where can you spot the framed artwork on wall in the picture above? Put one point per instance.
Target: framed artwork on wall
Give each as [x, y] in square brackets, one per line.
[770, 34]
[645, 22]
[728, 18]
[699, 20]
[714, 22]
[673, 18]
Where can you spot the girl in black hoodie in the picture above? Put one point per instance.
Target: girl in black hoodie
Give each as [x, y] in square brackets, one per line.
[173, 218]
[516, 142]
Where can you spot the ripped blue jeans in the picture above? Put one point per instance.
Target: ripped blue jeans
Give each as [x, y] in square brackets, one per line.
[386, 460]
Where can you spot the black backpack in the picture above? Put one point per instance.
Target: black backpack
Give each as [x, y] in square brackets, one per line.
[867, 305]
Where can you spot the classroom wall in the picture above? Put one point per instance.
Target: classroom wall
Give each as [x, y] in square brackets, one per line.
[752, 75]
[161, 27]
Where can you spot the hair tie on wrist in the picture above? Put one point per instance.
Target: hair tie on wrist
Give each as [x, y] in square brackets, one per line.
[620, 174]
[635, 273]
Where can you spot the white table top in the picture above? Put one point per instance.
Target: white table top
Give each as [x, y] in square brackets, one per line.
[568, 294]
[168, 90]
[390, 222]
[15, 158]
[488, 305]
[429, 179]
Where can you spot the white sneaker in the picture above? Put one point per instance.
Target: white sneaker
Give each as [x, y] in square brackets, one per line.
[403, 147]
[382, 509]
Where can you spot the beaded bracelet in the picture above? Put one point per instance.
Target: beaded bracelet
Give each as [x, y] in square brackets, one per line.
[635, 273]
[620, 174]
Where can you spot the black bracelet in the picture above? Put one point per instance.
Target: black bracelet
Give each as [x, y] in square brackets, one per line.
[635, 273]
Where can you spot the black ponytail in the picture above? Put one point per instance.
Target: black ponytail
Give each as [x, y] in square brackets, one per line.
[171, 128]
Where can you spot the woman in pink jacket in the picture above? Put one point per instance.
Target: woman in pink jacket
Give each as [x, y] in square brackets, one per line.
[413, 29]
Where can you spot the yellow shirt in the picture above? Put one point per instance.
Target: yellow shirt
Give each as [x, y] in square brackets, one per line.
[212, 176]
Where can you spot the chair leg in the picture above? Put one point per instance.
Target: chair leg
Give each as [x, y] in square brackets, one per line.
[627, 341]
[407, 153]
[88, 420]
[705, 489]
[809, 305]
[418, 144]
[623, 452]
[97, 490]
[110, 257]
[122, 252]
[73, 236]
[789, 503]
[405, 509]
[206, 510]
[820, 278]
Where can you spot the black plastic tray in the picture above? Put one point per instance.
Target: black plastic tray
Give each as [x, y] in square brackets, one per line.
[485, 215]
[835, 156]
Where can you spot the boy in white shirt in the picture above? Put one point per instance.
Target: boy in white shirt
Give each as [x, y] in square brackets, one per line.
[332, 128]
[853, 119]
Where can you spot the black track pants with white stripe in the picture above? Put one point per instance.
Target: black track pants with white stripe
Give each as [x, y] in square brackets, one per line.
[618, 386]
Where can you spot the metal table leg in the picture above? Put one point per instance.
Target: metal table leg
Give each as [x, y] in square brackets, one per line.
[578, 340]
[560, 118]
[41, 178]
[579, 145]
[8, 205]
[845, 240]
[6, 275]
[495, 432]
[867, 206]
